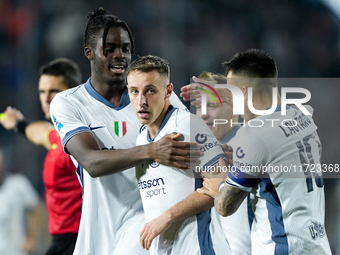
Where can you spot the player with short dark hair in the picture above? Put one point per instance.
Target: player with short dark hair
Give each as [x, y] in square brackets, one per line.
[289, 207]
[252, 63]
[64, 67]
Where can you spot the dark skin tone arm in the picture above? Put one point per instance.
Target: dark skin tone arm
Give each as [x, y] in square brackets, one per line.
[84, 148]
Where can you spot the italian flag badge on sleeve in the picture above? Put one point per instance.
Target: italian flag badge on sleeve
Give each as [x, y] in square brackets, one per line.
[120, 128]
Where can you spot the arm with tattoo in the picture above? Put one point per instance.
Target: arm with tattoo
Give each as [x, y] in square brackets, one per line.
[228, 200]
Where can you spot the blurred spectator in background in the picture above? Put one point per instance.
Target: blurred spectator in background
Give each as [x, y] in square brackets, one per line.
[63, 192]
[19, 214]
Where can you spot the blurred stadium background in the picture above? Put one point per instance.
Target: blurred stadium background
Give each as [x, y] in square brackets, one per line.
[194, 35]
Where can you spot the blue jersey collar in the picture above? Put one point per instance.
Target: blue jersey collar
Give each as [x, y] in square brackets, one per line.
[230, 135]
[170, 110]
[124, 100]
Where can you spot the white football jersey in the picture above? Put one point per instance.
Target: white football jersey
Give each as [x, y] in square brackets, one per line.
[112, 212]
[236, 227]
[162, 187]
[288, 197]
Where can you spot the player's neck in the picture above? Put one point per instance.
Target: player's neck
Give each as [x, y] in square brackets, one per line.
[262, 103]
[114, 96]
[112, 92]
[155, 126]
[227, 130]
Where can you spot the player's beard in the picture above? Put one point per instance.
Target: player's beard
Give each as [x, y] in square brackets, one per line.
[98, 68]
[108, 77]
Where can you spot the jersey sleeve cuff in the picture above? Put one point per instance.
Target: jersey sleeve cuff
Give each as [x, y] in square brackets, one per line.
[241, 180]
[72, 133]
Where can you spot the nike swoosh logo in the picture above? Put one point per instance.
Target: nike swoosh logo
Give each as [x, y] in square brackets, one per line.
[93, 128]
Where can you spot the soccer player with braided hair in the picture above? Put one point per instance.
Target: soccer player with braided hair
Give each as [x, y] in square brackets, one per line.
[98, 128]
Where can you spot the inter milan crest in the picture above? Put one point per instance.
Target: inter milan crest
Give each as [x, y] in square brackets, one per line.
[120, 128]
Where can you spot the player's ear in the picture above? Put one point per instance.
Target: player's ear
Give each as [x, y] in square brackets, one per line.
[169, 89]
[88, 53]
[245, 92]
[231, 113]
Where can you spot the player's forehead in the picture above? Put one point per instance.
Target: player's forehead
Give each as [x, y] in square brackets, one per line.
[51, 82]
[224, 94]
[146, 78]
[117, 35]
[210, 100]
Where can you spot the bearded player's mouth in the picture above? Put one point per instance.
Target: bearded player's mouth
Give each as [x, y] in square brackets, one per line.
[117, 68]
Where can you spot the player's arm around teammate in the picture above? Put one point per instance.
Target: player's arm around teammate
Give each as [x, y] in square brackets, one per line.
[98, 162]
